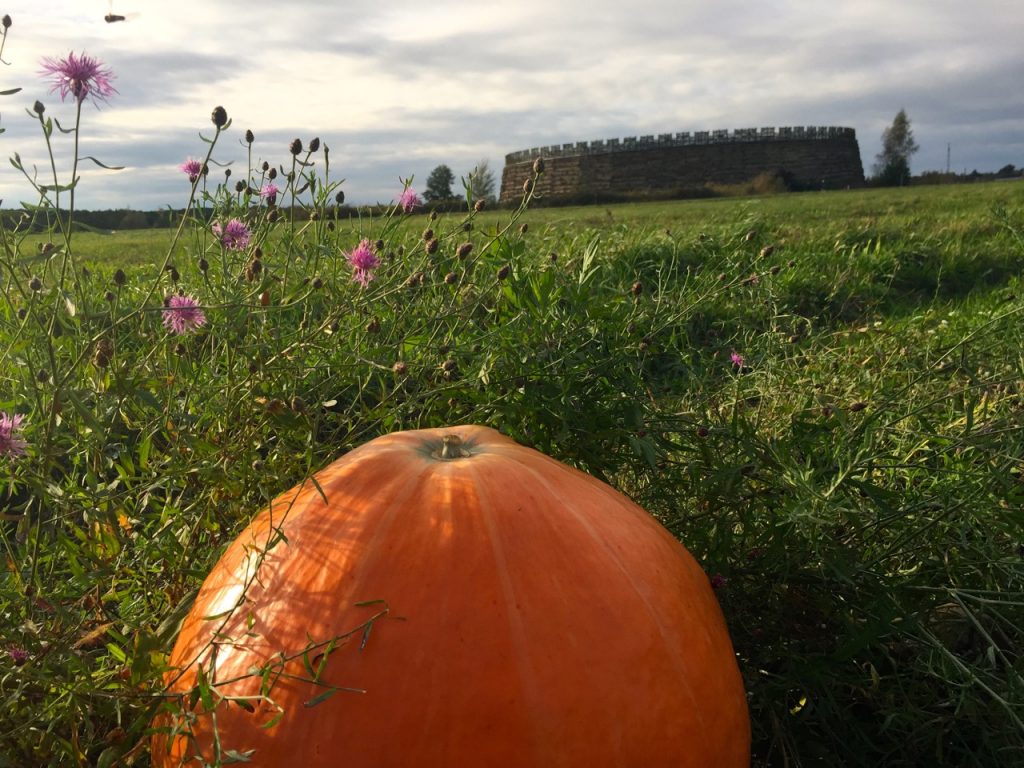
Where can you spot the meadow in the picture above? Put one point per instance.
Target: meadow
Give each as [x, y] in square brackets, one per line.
[818, 393]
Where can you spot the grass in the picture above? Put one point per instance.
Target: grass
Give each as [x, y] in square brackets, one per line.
[855, 485]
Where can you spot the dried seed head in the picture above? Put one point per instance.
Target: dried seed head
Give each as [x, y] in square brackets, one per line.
[110, 296]
[464, 250]
[767, 251]
[449, 366]
[432, 246]
[524, 228]
[428, 234]
[637, 288]
[528, 186]
[451, 278]
[479, 205]
[219, 117]
[399, 368]
[538, 165]
[104, 353]
[240, 187]
[6, 21]
[298, 405]
[275, 406]
[35, 284]
[295, 147]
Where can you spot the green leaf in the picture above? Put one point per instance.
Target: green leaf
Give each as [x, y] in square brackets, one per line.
[101, 165]
[320, 697]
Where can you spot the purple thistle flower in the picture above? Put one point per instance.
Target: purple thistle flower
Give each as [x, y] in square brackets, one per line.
[737, 359]
[364, 261]
[82, 76]
[10, 443]
[193, 168]
[408, 199]
[182, 314]
[18, 654]
[234, 235]
[269, 192]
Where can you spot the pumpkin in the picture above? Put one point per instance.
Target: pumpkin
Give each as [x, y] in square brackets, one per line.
[450, 598]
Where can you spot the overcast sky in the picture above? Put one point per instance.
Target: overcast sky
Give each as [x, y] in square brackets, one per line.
[395, 88]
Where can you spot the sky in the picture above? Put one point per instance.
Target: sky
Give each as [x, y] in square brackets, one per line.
[396, 88]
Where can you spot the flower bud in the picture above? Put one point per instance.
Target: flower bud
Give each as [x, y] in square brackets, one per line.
[38, 108]
[295, 147]
[219, 117]
[538, 165]
[249, 137]
[6, 21]
[399, 368]
[314, 144]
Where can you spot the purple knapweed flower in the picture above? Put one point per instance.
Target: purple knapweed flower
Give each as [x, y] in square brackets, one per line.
[737, 359]
[364, 261]
[182, 314]
[81, 76]
[18, 654]
[234, 235]
[408, 199]
[192, 168]
[718, 581]
[11, 443]
[269, 192]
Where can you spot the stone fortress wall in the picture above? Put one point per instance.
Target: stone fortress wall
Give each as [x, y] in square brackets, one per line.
[813, 157]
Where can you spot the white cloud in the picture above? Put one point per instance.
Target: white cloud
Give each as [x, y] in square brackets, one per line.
[397, 88]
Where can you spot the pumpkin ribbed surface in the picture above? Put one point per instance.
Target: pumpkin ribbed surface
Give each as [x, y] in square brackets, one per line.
[526, 615]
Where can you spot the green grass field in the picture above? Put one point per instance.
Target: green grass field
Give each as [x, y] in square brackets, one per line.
[852, 480]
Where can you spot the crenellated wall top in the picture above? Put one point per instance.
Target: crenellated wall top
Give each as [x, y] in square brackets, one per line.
[685, 139]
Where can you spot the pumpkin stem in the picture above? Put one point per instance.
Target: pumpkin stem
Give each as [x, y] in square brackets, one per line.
[451, 448]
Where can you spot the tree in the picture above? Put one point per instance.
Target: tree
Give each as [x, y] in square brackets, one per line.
[482, 182]
[892, 164]
[439, 184]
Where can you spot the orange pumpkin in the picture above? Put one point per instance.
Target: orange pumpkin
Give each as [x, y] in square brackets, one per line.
[448, 597]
